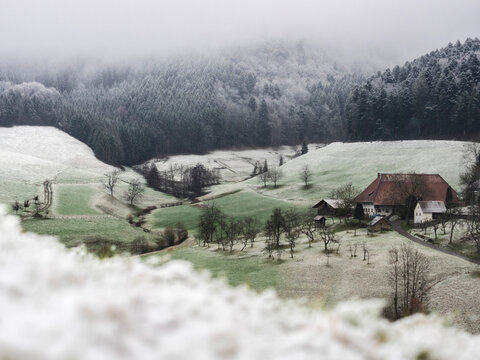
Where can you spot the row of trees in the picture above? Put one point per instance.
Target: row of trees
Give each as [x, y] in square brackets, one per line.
[131, 113]
[284, 227]
[436, 95]
[216, 227]
[180, 181]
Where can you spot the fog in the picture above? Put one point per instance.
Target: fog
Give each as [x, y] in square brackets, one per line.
[119, 29]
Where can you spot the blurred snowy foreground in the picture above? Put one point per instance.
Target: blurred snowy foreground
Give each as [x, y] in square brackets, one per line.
[65, 304]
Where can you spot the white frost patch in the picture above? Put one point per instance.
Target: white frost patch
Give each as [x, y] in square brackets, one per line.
[234, 165]
[37, 153]
[60, 304]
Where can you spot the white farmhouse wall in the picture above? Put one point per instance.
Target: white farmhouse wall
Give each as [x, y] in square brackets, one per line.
[420, 216]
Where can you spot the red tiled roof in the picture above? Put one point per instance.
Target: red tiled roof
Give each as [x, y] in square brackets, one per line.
[393, 189]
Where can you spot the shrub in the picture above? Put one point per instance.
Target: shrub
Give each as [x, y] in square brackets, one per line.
[182, 233]
[169, 236]
[139, 245]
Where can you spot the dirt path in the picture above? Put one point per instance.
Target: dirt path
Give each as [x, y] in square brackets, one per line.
[83, 217]
[396, 225]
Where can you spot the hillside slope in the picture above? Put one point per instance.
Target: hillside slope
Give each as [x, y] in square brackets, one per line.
[359, 163]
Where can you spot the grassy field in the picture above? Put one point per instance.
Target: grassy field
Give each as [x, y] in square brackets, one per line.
[237, 269]
[238, 205]
[359, 163]
[75, 200]
[306, 276]
[72, 231]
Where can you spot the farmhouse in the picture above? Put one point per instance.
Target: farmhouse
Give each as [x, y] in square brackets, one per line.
[388, 193]
[428, 210]
[379, 223]
[328, 207]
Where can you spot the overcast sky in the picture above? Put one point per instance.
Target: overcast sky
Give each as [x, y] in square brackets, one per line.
[396, 29]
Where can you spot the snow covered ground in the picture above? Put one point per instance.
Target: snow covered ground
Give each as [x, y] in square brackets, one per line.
[64, 304]
[35, 153]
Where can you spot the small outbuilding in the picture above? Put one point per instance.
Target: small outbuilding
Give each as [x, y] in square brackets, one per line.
[379, 223]
[328, 207]
[426, 211]
[320, 221]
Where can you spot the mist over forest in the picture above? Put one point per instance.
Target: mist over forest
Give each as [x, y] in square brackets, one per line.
[276, 93]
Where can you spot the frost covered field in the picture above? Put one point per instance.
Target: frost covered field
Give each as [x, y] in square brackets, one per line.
[31, 154]
[60, 304]
[234, 165]
[359, 163]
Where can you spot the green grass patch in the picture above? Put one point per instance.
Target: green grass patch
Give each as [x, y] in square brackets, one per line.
[75, 200]
[72, 232]
[238, 205]
[475, 274]
[256, 272]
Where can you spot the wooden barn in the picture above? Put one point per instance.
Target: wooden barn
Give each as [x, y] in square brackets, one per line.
[379, 223]
[328, 207]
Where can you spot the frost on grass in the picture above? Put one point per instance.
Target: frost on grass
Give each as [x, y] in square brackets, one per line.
[65, 304]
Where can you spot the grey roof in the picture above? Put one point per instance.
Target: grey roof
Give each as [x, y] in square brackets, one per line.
[319, 217]
[434, 207]
[333, 203]
[376, 219]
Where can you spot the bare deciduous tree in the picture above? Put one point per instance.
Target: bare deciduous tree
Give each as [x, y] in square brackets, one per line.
[274, 227]
[292, 228]
[328, 237]
[308, 227]
[251, 227]
[264, 177]
[306, 175]
[453, 220]
[110, 180]
[346, 194]
[274, 175]
[135, 191]
[209, 220]
[410, 277]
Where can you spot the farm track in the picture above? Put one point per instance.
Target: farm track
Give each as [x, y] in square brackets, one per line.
[396, 225]
[83, 217]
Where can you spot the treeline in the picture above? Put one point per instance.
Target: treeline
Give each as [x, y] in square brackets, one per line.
[434, 96]
[180, 181]
[265, 96]
[129, 114]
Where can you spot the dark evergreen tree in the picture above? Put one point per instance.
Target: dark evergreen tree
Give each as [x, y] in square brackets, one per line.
[304, 147]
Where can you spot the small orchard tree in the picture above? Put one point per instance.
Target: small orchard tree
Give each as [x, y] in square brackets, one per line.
[274, 175]
[250, 228]
[110, 180]
[308, 227]
[264, 177]
[292, 228]
[306, 175]
[209, 220]
[328, 237]
[274, 227]
[134, 192]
